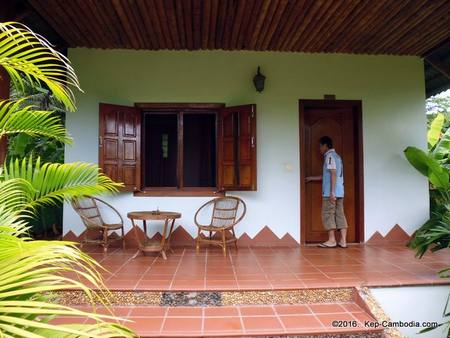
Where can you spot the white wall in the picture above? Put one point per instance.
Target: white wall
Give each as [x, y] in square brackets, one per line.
[391, 89]
[416, 303]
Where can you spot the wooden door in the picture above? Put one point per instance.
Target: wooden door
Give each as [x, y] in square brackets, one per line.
[119, 144]
[237, 148]
[341, 124]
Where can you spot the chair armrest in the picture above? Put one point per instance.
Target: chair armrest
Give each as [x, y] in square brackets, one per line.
[198, 211]
[109, 205]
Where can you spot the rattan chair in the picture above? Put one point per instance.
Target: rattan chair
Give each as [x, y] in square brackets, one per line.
[87, 208]
[221, 225]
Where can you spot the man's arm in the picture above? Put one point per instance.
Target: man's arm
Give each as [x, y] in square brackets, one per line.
[333, 185]
[313, 179]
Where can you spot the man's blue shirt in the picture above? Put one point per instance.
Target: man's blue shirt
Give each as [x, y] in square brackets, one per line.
[332, 161]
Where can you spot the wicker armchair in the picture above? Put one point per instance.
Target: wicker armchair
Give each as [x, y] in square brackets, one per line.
[87, 208]
[223, 219]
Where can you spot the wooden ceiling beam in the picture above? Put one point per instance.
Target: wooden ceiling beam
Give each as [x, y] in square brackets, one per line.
[296, 27]
[438, 32]
[307, 25]
[68, 20]
[172, 23]
[237, 24]
[115, 24]
[310, 41]
[347, 27]
[220, 27]
[197, 23]
[384, 31]
[399, 28]
[254, 17]
[46, 13]
[180, 24]
[266, 24]
[206, 20]
[277, 21]
[333, 32]
[151, 12]
[229, 19]
[128, 34]
[287, 29]
[212, 24]
[109, 34]
[187, 17]
[246, 24]
[90, 20]
[433, 38]
[375, 15]
[259, 23]
[420, 31]
[282, 22]
[146, 24]
[138, 25]
[166, 31]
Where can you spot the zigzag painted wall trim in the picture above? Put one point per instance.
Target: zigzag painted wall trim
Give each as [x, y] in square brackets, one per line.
[180, 237]
[266, 237]
[395, 236]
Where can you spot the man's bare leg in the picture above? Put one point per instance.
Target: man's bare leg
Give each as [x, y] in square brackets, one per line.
[343, 239]
[331, 238]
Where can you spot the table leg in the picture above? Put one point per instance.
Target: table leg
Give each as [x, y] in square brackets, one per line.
[135, 255]
[163, 238]
[170, 235]
[144, 222]
[136, 234]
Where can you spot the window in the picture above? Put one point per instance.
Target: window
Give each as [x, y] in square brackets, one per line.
[179, 149]
[160, 144]
[199, 150]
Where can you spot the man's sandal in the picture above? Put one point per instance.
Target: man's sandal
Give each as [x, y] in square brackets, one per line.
[323, 245]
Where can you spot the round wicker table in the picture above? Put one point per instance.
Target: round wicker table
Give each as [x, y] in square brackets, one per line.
[148, 245]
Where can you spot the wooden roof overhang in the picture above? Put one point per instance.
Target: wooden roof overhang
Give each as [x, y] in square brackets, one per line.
[390, 27]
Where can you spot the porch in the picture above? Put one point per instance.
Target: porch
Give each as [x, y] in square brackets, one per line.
[269, 268]
[193, 54]
[259, 290]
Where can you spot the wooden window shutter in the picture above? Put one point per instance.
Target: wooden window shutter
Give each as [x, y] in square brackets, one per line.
[120, 145]
[237, 148]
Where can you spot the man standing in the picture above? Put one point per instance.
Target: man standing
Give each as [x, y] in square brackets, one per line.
[333, 217]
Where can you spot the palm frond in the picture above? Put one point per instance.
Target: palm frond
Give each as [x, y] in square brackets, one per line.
[29, 270]
[24, 53]
[56, 182]
[13, 194]
[15, 118]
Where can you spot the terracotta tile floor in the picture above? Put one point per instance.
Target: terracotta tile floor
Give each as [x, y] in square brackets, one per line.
[244, 320]
[270, 268]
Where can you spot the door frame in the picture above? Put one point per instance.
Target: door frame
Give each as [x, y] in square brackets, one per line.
[356, 107]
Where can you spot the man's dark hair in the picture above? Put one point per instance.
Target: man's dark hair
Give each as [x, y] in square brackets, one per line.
[326, 140]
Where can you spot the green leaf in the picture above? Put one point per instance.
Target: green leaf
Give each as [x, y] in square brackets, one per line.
[23, 53]
[20, 144]
[442, 149]
[428, 166]
[16, 119]
[55, 182]
[434, 132]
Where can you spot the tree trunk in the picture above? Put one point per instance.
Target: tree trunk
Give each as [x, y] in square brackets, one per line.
[4, 95]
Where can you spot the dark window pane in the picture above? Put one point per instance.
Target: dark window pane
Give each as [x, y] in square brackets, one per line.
[199, 150]
[161, 148]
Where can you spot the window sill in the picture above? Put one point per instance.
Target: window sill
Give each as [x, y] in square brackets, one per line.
[179, 193]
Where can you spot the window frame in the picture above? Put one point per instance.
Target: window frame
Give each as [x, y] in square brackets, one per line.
[180, 109]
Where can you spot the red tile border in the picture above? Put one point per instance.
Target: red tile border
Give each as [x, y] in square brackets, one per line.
[270, 269]
[305, 319]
